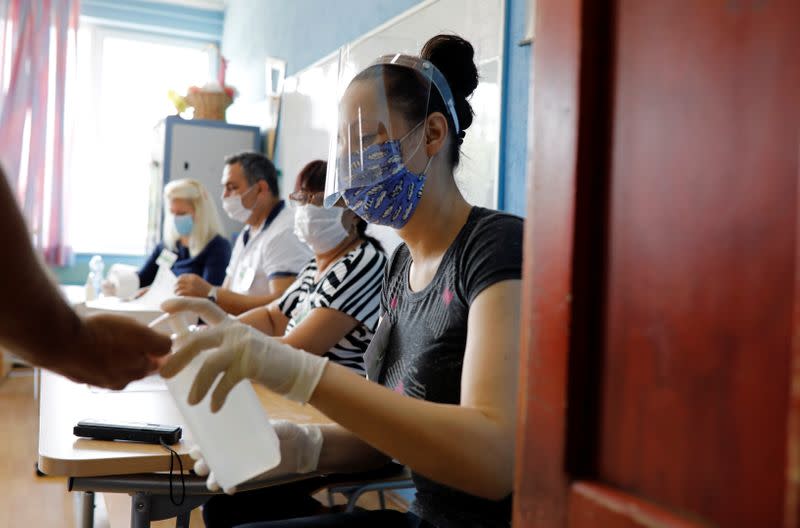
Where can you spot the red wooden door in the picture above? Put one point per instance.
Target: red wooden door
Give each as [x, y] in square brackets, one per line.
[661, 271]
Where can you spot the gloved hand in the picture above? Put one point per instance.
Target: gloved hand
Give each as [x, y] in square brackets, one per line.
[239, 351]
[300, 448]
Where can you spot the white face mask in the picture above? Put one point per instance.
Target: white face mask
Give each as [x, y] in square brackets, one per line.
[318, 227]
[234, 207]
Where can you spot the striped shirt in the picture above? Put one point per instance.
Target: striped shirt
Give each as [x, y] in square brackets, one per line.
[351, 285]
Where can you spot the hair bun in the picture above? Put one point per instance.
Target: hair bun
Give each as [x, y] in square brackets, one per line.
[455, 58]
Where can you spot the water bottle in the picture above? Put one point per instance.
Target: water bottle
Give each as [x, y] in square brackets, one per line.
[96, 269]
[238, 442]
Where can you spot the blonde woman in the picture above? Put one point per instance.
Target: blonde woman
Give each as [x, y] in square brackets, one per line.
[192, 238]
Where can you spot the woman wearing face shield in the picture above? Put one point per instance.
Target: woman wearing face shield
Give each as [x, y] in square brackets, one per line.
[193, 241]
[330, 310]
[444, 355]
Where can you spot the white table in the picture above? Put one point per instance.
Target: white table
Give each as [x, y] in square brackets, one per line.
[126, 467]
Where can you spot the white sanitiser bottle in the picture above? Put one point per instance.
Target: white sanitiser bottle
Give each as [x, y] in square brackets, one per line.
[238, 442]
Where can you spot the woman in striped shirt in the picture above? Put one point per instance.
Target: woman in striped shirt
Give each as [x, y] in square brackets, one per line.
[331, 310]
[332, 307]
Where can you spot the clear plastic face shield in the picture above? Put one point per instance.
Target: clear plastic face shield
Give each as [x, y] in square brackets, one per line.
[380, 126]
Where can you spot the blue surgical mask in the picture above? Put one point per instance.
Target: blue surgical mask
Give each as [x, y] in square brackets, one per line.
[184, 224]
[394, 198]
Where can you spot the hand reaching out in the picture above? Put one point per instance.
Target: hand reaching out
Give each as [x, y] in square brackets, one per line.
[111, 351]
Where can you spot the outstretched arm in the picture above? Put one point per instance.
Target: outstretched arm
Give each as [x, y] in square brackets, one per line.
[37, 324]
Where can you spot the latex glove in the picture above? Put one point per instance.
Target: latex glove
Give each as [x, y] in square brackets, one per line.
[108, 288]
[239, 352]
[300, 448]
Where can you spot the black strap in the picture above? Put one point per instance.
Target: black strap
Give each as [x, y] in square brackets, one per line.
[172, 456]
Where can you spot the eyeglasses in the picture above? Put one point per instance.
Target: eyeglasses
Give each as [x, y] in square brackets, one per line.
[305, 197]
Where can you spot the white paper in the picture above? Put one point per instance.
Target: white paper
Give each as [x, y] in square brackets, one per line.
[113, 305]
[145, 308]
[163, 288]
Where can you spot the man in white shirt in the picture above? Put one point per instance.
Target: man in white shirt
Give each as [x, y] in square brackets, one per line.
[267, 255]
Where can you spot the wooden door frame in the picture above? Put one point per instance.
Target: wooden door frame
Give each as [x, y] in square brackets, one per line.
[540, 481]
[562, 285]
[563, 289]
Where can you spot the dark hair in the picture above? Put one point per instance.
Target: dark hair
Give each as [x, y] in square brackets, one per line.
[312, 178]
[407, 90]
[256, 167]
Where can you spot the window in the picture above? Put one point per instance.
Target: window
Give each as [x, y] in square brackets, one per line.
[122, 84]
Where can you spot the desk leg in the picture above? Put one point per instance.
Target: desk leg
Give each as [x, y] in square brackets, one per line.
[87, 510]
[140, 510]
[146, 507]
[183, 520]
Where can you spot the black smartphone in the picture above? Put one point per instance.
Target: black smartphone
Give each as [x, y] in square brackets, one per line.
[130, 431]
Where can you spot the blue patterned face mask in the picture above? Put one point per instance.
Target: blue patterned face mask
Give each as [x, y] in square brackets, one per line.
[392, 200]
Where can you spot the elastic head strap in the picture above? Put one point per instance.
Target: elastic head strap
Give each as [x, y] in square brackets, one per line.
[429, 70]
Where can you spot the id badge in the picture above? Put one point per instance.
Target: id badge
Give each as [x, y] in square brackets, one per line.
[166, 259]
[302, 312]
[375, 354]
[246, 277]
